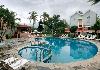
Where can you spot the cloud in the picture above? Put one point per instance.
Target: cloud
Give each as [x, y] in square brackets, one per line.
[65, 8]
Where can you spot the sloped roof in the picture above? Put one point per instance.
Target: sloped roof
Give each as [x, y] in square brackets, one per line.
[79, 12]
[23, 25]
[89, 11]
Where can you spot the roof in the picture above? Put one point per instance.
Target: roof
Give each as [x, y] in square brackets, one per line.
[24, 26]
[89, 11]
[79, 13]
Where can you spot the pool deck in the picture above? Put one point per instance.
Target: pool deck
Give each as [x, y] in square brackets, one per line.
[89, 64]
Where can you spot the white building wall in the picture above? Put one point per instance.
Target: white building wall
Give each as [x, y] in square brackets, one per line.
[74, 19]
[89, 18]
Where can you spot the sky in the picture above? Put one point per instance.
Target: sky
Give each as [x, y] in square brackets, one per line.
[65, 8]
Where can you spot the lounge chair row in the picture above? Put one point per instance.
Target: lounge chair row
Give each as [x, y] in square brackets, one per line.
[88, 37]
[40, 42]
[13, 63]
[64, 36]
[37, 35]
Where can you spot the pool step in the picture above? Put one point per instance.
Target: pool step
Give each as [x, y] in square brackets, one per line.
[46, 58]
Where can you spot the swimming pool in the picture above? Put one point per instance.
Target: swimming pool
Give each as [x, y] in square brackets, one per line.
[61, 51]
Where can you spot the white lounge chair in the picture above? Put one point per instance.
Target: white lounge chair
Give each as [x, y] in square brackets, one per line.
[97, 39]
[63, 36]
[38, 35]
[94, 36]
[18, 63]
[45, 35]
[67, 35]
[81, 36]
[14, 63]
[10, 60]
[91, 37]
[88, 37]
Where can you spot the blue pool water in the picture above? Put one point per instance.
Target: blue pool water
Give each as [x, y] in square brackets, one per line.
[60, 51]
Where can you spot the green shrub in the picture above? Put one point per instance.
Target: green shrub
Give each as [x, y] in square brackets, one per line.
[9, 36]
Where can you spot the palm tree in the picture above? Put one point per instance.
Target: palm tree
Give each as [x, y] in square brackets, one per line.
[94, 1]
[45, 16]
[33, 17]
[56, 19]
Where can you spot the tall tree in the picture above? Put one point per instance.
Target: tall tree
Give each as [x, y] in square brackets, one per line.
[55, 21]
[6, 18]
[49, 25]
[55, 25]
[96, 26]
[33, 17]
[45, 16]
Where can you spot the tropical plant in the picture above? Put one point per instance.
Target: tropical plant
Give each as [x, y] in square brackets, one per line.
[96, 26]
[55, 26]
[56, 20]
[33, 17]
[45, 16]
[48, 25]
[6, 17]
[73, 29]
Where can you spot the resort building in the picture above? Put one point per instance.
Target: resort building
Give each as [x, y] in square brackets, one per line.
[22, 31]
[83, 21]
[23, 28]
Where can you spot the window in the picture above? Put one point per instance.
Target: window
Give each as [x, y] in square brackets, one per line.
[89, 28]
[88, 19]
[80, 25]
